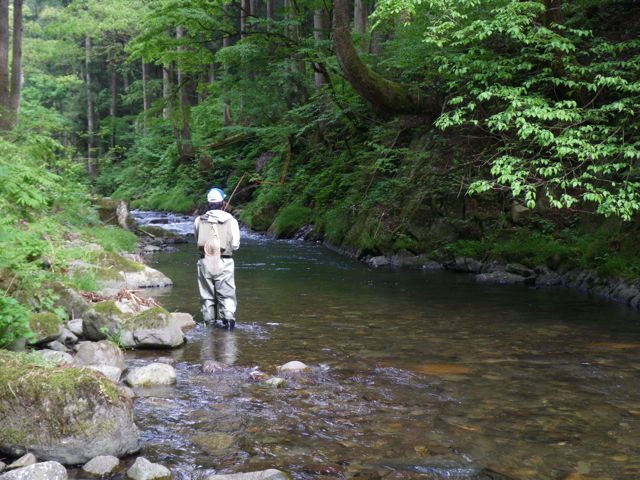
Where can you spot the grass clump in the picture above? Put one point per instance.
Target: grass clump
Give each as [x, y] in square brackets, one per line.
[113, 239]
[290, 219]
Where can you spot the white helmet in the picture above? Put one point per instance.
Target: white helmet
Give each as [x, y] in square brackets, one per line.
[215, 195]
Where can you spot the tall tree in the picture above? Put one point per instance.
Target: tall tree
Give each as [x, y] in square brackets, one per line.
[92, 167]
[10, 76]
[5, 92]
[16, 61]
[385, 95]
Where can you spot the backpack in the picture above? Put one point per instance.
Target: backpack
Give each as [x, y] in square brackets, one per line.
[212, 251]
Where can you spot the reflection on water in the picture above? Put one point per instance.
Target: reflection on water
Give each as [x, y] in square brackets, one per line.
[414, 375]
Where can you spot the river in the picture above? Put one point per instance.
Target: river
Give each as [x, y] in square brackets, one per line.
[414, 374]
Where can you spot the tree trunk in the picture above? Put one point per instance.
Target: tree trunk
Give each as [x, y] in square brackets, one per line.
[360, 17]
[385, 95]
[320, 32]
[114, 103]
[245, 10]
[166, 91]
[226, 42]
[92, 167]
[5, 120]
[185, 146]
[270, 17]
[553, 13]
[145, 97]
[16, 61]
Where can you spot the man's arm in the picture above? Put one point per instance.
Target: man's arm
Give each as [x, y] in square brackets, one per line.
[235, 234]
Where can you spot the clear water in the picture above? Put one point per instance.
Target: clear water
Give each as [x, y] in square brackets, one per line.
[414, 375]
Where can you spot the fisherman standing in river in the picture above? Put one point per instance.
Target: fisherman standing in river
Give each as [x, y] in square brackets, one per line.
[218, 235]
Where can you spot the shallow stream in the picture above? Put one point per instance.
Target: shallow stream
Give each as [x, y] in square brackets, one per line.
[414, 375]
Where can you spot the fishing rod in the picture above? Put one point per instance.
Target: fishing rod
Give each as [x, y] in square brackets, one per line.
[234, 192]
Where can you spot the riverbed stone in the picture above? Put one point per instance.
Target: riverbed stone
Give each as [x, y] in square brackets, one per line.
[66, 414]
[101, 465]
[184, 320]
[38, 471]
[23, 461]
[143, 469]
[2, 466]
[292, 367]
[503, 278]
[103, 352]
[154, 374]
[57, 357]
[271, 474]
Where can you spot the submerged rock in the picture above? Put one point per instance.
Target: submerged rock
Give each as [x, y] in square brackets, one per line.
[38, 471]
[101, 465]
[143, 469]
[271, 474]
[292, 367]
[213, 366]
[154, 374]
[69, 415]
[275, 382]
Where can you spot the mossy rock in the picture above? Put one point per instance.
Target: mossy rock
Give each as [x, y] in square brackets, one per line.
[118, 263]
[46, 327]
[155, 232]
[104, 319]
[155, 317]
[65, 414]
[152, 328]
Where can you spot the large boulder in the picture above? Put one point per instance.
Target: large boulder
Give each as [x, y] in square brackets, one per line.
[38, 471]
[69, 415]
[115, 272]
[151, 328]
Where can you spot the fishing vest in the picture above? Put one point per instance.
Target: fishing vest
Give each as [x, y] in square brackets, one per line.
[205, 232]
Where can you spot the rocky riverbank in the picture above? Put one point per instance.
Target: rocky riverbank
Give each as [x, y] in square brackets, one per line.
[541, 276]
[67, 395]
